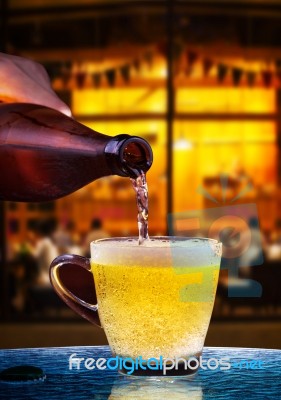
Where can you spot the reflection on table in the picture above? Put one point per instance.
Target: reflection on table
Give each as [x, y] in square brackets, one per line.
[253, 374]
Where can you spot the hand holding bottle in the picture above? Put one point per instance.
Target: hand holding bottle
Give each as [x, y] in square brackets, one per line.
[25, 81]
[47, 155]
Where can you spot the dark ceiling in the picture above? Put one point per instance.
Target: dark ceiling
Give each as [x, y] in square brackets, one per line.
[96, 25]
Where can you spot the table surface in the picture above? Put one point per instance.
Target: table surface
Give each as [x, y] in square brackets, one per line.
[254, 374]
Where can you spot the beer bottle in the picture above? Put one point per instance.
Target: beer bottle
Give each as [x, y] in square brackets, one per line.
[45, 155]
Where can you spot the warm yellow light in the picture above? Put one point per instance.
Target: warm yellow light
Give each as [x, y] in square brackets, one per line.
[118, 101]
[163, 73]
[182, 144]
[225, 99]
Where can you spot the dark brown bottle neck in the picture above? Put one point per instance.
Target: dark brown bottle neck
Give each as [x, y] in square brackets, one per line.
[35, 127]
[128, 155]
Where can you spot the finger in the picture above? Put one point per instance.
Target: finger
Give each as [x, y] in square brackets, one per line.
[21, 87]
[48, 99]
[31, 68]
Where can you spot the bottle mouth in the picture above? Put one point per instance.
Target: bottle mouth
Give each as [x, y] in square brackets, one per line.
[136, 156]
[129, 155]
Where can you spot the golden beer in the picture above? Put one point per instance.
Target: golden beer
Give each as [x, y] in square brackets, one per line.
[156, 299]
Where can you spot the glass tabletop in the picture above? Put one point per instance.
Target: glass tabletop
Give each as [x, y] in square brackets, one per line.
[224, 373]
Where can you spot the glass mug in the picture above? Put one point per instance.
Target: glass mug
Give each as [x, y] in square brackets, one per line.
[154, 300]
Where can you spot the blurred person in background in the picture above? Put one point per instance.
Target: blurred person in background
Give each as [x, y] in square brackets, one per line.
[274, 248]
[23, 273]
[44, 250]
[62, 237]
[96, 232]
[17, 285]
[75, 245]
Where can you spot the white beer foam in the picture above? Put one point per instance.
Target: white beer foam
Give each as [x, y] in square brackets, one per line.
[156, 242]
[157, 251]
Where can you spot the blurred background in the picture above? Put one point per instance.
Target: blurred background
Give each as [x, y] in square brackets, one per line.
[201, 81]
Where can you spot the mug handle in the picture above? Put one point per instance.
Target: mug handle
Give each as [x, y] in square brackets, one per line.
[81, 307]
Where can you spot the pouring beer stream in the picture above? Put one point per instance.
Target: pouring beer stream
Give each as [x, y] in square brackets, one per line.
[141, 189]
